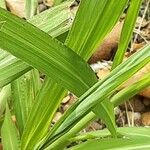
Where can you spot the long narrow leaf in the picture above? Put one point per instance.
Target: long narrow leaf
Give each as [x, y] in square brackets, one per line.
[48, 55]
[95, 28]
[133, 139]
[55, 21]
[10, 138]
[11, 68]
[132, 90]
[128, 132]
[102, 16]
[115, 144]
[86, 26]
[4, 96]
[3, 4]
[46, 21]
[47, 102]
[103, 110]
[127, 31]
[23, 93]
[99, 91]
[31, 7]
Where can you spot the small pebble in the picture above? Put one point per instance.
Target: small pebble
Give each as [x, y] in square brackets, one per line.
[48, 3]
[146, 119]
[146, 101]
[42, 7]
[57, 117]
[66, 99]
[117, 110]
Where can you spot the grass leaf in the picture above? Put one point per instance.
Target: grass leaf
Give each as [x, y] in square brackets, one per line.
[134, 138]
[49, 56]
[127, 31]
[31, 7]
[5, 93]
[9, 134]
[95, 10]
[3, 4]
[47, 102]
[12, 67]
[132, 90]
[101, 18]
[98, 93]
[24, 92]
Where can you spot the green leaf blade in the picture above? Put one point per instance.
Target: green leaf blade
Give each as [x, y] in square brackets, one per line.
[23, 94]
[99, 92]
[31, 7]
[127, 31]
[46, 21]
[47, 102]
[95, 26]
[5, 93]
[44, 54]
[11, 68]
[9, 133]
[134, 138]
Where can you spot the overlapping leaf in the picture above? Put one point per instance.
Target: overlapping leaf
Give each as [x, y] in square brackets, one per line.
[9, 134]
[31, 7]
[103, 111]
[45, 53]
[132, 90]
[46, 21]
[127, 31]
[99, 92]
[134, 138]
[89, 31]
[4, 96]
[11, 68]
[47, 102]
[24, 91]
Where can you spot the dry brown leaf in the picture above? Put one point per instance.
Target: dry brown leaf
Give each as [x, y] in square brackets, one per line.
[108, 47]
[17, 7]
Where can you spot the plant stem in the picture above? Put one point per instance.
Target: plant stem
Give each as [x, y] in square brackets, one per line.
[65, 139]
